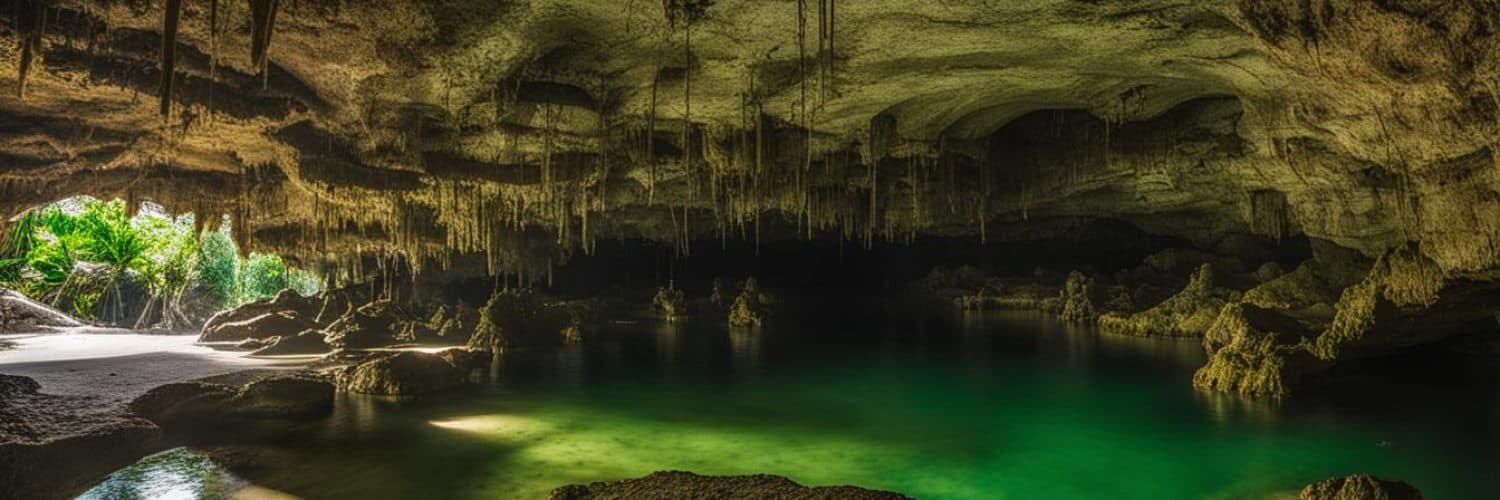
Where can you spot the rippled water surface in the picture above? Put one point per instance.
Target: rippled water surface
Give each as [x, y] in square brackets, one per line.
[932, 403]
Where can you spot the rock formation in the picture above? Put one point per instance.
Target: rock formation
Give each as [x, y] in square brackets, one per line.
[407, 373]
[19, 314]
[676, 484]
[1360, 487]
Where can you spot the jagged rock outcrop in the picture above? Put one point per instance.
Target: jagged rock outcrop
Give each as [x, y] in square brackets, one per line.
[372, 325]
[1254, 352]
[670, 304]
[1360, 487]
[677, 484]
[1076, 300]
[1190, 313]
[750, 307]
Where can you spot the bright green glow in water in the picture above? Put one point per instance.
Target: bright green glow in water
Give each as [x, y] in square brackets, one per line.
[1007, 408]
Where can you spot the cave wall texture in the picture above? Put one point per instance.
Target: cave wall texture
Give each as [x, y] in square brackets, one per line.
[480, 136]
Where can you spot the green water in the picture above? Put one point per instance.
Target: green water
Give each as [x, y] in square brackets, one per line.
[929, 404]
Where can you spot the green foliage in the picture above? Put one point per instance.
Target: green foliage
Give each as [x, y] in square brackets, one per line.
[261, 277]
[218, 265]
[47, 243]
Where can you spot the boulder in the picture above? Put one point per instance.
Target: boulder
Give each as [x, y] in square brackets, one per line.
[284, 396]
[677, 484]
[371, 325]
[287, 300]
[408, 373]
[18, 313]
[305, 343]
[183, 403]
[466, 360]
[192, 404]
[276, 324]
[1360, 487]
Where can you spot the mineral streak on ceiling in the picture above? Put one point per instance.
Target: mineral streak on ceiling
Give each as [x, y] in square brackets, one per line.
[510, 133]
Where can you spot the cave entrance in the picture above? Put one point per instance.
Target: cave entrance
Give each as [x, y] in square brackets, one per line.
[138, 267]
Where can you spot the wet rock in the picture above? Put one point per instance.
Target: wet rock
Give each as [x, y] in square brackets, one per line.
[407, 373]
[676, 484]
[284, 396]
[459, 326]
[307, 342]
[466, 360]
[670, 303]
[371, 325]
[183, 403]
[1077, 306]
[750, 307]
[1360, 487]
[276, 324]
[19, 313]
[199, 404]
[1254, 352]
[1187, 314]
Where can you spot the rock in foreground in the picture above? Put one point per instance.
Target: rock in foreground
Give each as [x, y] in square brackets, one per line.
[56, 446]
[409, 373]
[683, 485]
[1360, 487]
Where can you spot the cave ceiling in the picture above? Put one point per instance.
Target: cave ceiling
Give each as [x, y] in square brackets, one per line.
[493, 134]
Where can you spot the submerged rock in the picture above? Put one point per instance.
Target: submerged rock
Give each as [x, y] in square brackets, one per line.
[1360, 487]
[409, 373]
[677, 484]
[276, 324]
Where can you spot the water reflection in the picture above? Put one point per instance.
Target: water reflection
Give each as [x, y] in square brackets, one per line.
[668, 336]
[745, 350]
[175, 474]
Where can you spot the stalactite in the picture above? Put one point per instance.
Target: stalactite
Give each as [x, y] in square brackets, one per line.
[170, 20]
[262, 26]
[31, 21]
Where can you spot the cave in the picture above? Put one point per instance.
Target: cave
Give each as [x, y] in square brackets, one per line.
[578, 249]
